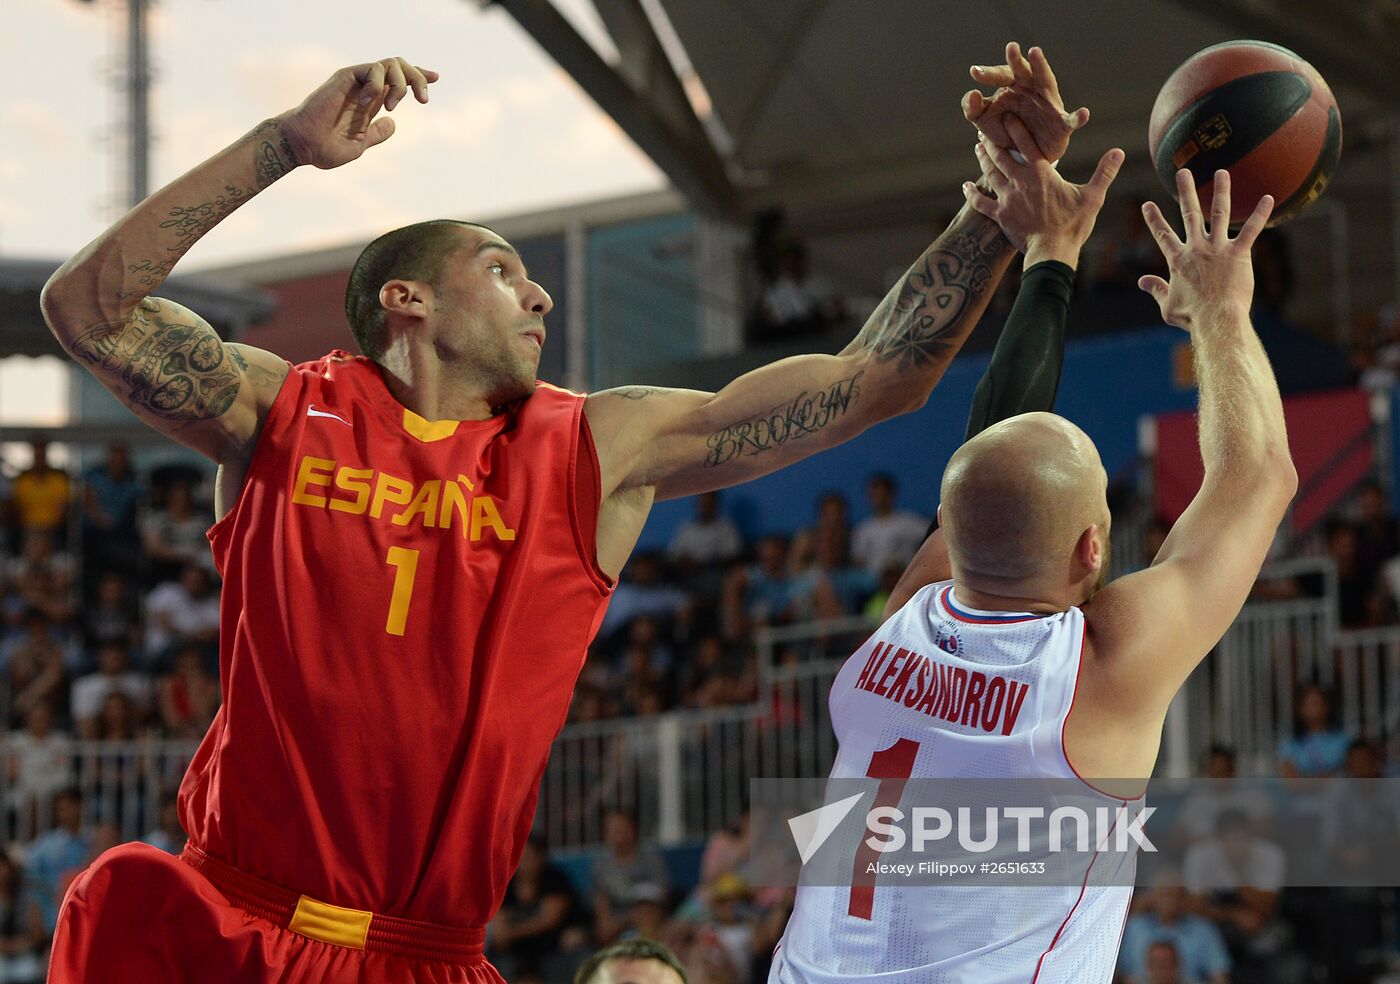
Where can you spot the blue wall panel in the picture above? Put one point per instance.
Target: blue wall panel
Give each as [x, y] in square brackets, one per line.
[1109, 382]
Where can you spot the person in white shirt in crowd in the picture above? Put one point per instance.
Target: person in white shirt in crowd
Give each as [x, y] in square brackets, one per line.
[1232, 858]
[1234, 879]
[40, 761]
[889, 536]
[796, 302]
[710, 538]
[182, 612]
[1196, 819]
[114, 675]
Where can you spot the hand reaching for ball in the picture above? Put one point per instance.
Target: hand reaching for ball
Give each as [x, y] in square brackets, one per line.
[1027, 89]
[1209, 273]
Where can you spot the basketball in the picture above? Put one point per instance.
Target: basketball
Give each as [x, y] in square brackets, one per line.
[1257, 110]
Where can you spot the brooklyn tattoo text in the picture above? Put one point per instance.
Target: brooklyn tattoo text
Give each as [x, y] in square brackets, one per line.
[804, 415]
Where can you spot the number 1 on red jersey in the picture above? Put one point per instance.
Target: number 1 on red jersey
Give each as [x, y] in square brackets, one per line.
[405, 564]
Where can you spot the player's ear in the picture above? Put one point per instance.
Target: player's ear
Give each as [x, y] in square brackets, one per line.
[407, 298]
[1089, 549]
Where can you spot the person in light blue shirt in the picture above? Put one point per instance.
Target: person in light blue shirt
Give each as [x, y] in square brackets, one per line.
[111, 495]
[1199, 945]
[1318, 748]
[831, 587]
[766, 587]
[57, 855]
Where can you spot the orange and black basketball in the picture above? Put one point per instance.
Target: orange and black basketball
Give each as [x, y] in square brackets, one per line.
[1257, 110]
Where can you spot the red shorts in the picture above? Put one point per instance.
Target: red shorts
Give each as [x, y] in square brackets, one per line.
[141, 916]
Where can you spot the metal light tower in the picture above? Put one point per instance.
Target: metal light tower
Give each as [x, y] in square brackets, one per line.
[137, 81]
[138, 86]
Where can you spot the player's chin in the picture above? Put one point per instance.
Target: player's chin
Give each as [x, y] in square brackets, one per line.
[524, 382]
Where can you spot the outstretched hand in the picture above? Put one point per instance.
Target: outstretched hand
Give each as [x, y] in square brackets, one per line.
[336, 123]
[1042, 214]
[1209, 271]
[1027, 88]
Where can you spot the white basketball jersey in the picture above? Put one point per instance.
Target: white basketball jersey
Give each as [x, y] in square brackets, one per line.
[946, 692]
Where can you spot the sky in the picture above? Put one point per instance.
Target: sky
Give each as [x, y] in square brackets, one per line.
[505, 131]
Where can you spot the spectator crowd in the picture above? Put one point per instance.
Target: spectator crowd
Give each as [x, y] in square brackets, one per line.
[109, 623]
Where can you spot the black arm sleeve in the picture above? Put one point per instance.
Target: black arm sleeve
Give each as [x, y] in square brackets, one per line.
[1025, 369]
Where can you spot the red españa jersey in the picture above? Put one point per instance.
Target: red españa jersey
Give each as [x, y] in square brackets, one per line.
[406, 606]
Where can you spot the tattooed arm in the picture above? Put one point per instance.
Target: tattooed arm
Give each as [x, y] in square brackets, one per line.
[680, 442]
[163, 360]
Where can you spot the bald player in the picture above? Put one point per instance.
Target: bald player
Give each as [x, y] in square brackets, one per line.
[1072, 679]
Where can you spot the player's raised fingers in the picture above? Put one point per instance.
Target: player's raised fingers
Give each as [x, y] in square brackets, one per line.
[372, 84]
[1256, 222]
[1104, 174]
[998, 158]
[1044, 77]
[1164, 234]
[1190, 204]
[380, 130]
[994, 75]
[973, 102]
[398, 84]
[419, 79]
[995, 178]
[980, 202]
[1077, 119]
[1020, 68]
[1220, 205]
[1155, 286]
[1022, 140]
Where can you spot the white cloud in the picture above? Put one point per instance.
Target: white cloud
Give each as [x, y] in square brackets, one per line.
[37, 126]
[272, 77]
[592, 137]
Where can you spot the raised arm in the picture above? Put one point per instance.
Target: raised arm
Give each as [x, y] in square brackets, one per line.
[1203, 573]
[668, 443]
[163, 360]
[680, 442]
[1050, 219]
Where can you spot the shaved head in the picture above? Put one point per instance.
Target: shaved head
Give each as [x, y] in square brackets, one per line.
[1016, 501]
[413, 252]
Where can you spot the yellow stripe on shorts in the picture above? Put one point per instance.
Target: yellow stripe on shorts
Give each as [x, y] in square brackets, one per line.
[331, 923]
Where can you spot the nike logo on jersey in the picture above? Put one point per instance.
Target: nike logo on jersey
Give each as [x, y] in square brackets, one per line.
[313, 412]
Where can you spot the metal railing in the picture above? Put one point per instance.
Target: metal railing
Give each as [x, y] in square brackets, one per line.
[685, 773]
[121, 783]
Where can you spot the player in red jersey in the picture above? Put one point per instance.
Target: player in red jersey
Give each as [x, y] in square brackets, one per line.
[417, 545]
